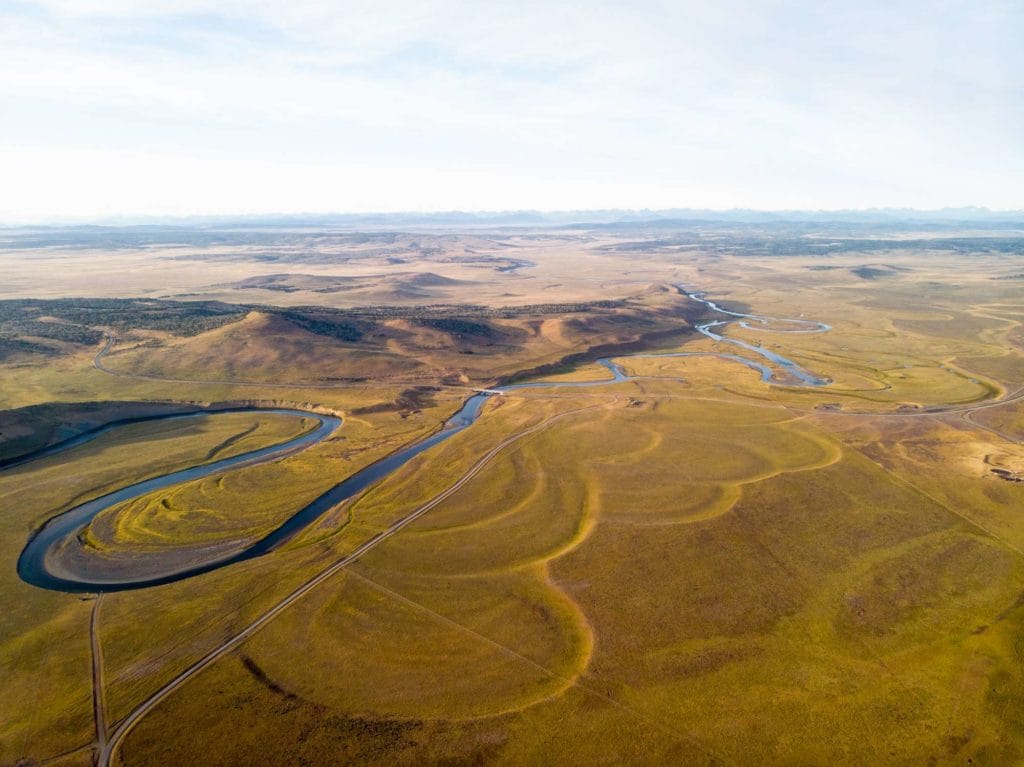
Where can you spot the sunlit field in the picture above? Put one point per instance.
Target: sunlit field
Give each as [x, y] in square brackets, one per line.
[687, 564]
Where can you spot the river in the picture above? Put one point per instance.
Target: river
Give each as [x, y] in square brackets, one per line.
[41, 565]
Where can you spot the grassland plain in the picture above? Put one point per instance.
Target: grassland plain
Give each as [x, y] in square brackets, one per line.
[790, 628]
[696, 571]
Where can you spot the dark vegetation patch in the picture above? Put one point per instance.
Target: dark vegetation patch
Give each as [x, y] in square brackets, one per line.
[12, 347]
[872, 272]
[83, 315]
[457, 326]
[20, 331]
[568, 363]
[408, 401]
[330, 325]
[630, 320]
[68, 332]
[260, 676]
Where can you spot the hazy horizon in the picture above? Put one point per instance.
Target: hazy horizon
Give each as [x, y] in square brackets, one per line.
[967, 215]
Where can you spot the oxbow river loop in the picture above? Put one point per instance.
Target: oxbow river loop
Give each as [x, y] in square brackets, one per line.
[40, 564]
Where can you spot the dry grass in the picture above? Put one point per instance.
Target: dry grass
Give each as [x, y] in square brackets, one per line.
[789, 628]
[715, 570]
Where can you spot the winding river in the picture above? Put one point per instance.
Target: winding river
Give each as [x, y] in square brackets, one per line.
[40, 563]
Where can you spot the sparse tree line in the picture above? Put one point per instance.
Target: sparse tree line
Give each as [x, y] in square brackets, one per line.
[77, 320]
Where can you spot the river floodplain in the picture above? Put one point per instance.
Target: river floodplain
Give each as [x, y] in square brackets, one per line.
[668, 558]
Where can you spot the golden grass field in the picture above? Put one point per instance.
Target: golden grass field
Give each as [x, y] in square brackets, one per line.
[695, 567]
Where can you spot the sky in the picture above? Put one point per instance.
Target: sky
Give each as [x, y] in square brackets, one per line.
[178, 107]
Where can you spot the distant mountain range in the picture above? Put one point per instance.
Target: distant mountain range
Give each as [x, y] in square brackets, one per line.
[614, 217]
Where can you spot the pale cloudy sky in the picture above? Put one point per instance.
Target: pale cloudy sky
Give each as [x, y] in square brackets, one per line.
[112, 107]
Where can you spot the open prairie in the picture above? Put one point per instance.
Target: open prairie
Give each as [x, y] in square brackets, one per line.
[730, 494]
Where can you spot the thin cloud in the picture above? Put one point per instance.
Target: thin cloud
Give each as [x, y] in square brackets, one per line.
[307, 106]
